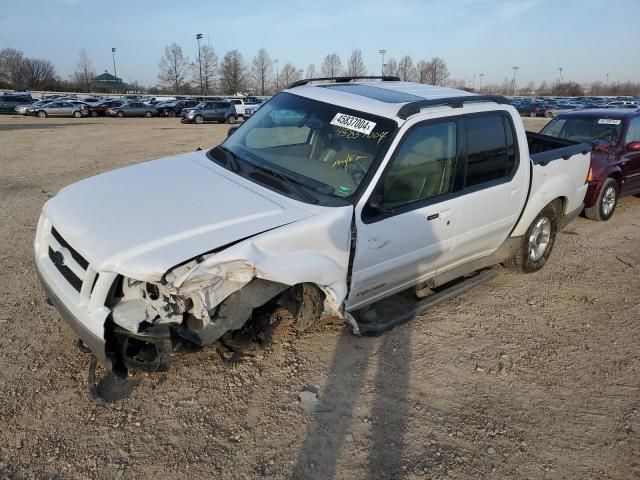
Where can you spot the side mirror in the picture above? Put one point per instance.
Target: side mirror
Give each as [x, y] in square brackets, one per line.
[231, 130]
[375, 205]
[633, 147]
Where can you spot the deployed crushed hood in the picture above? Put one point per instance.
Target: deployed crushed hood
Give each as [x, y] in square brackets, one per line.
[142, 220]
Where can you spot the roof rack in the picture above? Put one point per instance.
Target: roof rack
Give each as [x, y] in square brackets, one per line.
[385, 78]
[412, 108]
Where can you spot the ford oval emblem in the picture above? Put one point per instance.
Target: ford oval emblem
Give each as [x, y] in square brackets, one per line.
[57, 258]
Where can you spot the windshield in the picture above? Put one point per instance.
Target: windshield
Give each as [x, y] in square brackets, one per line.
[584, 129]
[324, 147]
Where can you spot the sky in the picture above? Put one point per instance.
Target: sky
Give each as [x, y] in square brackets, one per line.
[587, 38]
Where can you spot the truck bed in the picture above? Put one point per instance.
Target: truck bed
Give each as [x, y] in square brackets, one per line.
[544, 148]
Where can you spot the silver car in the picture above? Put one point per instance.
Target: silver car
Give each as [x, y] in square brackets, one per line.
[133, 109]
[59, 109]
[24, 109]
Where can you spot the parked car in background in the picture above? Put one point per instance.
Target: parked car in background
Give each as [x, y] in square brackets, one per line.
[8, 103]
[100, 109]
[529, 108]
[211, 111]
[59, 108]
[239, 106]
[615, 160]
[133, 109]
[250, 109]
[174, 108]
[554, 110]
[23, 108]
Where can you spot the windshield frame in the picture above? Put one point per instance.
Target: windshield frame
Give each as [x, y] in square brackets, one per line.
[324, 199]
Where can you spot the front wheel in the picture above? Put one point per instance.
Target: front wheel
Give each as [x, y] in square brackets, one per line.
[548, 114]
[120, 114]
[231, 119]
[198, 119]
[42, 114]
[170, 113]
[147, 114]
[77, 114]
[606, 204]
[533, 114]
[537, 243]
[94, 114]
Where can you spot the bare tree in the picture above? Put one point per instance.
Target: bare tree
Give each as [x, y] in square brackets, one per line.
[12, 67]
[421, 71]
[391, 67]
[209, 62]
[232, 72]
[437, 72]
[38, 73]
[84, 74]
[331, 66]
[355, 65]
[261, 71]
[174, 68]
[406, 71]
[289, 74]
[311, 71]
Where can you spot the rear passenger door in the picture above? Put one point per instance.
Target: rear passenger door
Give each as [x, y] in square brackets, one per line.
[492, 186]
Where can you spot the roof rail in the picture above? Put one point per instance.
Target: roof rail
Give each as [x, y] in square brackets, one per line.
[412, 108]
[385, 78]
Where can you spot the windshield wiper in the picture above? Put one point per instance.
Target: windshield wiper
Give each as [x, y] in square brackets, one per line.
[292, 183]
[232, 159]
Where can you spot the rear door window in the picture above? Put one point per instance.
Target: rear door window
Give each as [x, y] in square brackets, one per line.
[633, 133]
[491, 152]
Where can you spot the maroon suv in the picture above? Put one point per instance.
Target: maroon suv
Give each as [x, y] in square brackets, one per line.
[615, 160]
[101, 107]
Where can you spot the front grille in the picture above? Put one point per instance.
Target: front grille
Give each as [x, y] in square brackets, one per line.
[76, 256]
[66, 271]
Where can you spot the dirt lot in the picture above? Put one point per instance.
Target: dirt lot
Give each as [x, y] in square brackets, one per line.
[528, 376]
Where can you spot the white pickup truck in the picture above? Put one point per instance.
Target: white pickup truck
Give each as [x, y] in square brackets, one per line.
[332, 197]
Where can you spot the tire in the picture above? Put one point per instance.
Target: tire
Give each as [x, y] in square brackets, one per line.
[198, 119]
[537, 243]
[77, 114]
[231, 119]
[606, 204]
[171, 113]
[94, 114]
[148, 114]
[548, 114]
[120, 114]
[533, 114]
[310, 304]
[41, 114]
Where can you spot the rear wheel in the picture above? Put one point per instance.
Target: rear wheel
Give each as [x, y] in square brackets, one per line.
[147, 114]
[231, 119]
[171, 113]
[533, 114]
[42, 114]
[120, 114]
[77, 114]
[607, 200]
[537, 243]
[198, 119]
[94, 114]
[548, 114]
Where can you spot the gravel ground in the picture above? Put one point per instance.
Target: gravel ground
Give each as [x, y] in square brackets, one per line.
[527, 376]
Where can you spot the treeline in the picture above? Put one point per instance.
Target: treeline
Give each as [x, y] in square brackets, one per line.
[264, 75]
[560, 89]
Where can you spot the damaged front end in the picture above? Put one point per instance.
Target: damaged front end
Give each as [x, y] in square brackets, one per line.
[193, 307]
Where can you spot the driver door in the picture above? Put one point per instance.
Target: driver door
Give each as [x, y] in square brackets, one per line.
[405, 237]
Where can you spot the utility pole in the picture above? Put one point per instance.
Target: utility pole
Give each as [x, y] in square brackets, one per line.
[513, 87]
[276, 61]
[382, 52]
[480, 87]
[198, 37]
[606, 85]
[560, 78]
[113, 55]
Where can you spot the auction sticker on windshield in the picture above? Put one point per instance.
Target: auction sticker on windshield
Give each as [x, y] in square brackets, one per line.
[609, 121]
[353, 123]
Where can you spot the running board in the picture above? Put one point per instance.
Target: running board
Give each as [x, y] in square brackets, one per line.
[410, 308]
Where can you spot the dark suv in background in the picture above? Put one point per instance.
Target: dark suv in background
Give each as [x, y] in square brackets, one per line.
[8, 103]
[615, 160]
[216, 111]
[174, 108]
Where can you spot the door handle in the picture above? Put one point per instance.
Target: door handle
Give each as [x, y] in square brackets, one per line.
[433, 216]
